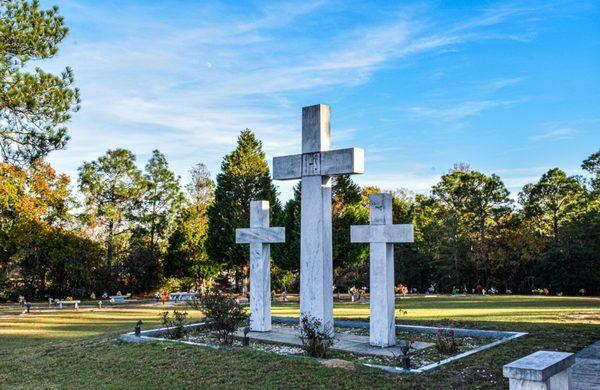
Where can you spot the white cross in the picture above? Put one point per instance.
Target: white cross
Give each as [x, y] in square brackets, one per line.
[260, 236]
[315, 167]
[381, 235]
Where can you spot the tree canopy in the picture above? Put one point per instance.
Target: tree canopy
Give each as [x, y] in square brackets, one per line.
[34, 106]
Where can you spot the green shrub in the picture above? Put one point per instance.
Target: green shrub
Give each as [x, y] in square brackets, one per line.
[316, 342]
[176, 323]
[446, 344]
[224, 315]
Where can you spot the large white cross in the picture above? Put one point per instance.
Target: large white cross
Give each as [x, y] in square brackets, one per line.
[381, 235]
[315, 167]
[260, 236]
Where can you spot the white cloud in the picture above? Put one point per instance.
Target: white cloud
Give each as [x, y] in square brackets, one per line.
[554, 134]
[459, 111]
[188, 89]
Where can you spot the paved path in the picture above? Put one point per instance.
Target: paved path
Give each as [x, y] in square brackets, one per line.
[586, 371]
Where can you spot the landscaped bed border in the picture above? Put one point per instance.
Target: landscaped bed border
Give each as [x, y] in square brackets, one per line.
[499, 337]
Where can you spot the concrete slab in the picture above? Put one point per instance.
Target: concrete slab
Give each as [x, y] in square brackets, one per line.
[586, 371]
[343, 341]
[539, 366]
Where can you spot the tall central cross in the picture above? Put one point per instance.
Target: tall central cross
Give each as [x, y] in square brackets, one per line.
[381, 235]
[315, 167]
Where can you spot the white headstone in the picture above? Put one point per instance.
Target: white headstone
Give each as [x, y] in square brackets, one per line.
[260, 236]
[315, 167]
[381, 234]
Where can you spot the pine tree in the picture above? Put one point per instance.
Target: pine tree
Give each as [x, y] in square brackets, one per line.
[287, 257]
[35, 105]
[112, 187]
[244, 177]
[186, 256]
[162, 198]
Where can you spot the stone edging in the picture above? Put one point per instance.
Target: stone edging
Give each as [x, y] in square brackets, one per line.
[500, 336]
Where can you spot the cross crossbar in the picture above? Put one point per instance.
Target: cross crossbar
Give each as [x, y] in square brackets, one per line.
[388, 234]
[327, 163]
[264, 235]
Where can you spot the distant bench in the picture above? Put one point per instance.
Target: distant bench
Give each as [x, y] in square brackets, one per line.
[63, 302]
[119, 298]
[543, 370]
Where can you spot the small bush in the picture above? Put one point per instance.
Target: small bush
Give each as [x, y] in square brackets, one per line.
[316, 342]
[224, 315]
[176, 323]
[446, 344]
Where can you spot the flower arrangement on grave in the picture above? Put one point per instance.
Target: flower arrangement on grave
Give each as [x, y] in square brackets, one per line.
[405, 349]
[401, 289]
[445, 342]
[541, 291]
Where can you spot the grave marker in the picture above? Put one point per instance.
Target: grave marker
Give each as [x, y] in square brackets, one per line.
[381, 234]
[260, 236]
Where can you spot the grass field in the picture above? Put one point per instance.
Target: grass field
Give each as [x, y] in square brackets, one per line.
[80, 349]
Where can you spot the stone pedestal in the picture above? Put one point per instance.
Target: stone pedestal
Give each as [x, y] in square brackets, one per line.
[542, 370]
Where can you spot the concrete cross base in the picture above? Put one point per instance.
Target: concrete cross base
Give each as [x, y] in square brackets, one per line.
[343, 342]
[542, 370]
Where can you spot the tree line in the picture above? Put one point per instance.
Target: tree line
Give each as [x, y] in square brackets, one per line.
[139, 230]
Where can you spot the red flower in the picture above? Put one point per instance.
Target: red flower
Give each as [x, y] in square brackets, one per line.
[412, 341]
[451, 332]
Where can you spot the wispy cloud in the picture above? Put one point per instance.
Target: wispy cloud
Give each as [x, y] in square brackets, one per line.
[555, 134]
[189, 84]
[459, 111]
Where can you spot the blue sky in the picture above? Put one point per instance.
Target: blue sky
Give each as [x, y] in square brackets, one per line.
[511, 88]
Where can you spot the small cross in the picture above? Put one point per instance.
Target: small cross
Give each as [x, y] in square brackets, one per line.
[260, 236]
[381, 234]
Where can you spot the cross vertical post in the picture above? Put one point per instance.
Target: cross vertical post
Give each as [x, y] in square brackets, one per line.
[381, 234]
[260, 236]
[316, 263]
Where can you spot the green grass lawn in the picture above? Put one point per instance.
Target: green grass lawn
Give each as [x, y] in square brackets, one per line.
[81, 350]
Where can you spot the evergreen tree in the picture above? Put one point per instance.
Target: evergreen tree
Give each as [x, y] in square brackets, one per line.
[201, 188]
[35, 105]
[161, 200]
[186, 256]
[554, 200]
[592, 165]
[347, 210]
[287, 256]
[244, 177]
[112, 187]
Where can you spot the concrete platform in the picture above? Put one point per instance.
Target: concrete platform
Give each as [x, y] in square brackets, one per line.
[586, 371]
[343, 342]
